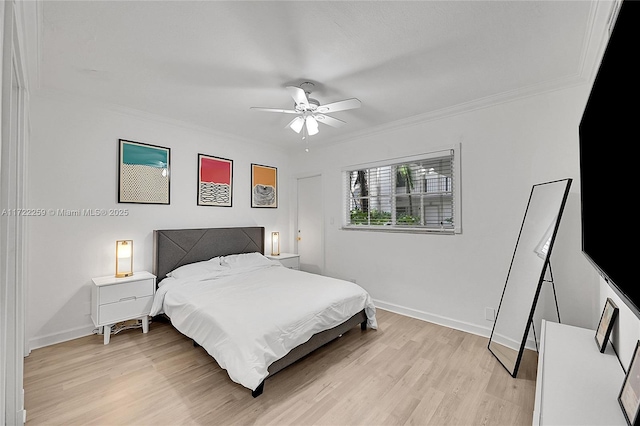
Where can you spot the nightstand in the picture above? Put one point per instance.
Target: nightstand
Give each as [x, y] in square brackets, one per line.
[119, 299]
[290, 260]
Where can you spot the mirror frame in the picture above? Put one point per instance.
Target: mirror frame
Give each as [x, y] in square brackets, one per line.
[540, 279]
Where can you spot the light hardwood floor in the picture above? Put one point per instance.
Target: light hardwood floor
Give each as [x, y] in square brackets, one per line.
[407, 372]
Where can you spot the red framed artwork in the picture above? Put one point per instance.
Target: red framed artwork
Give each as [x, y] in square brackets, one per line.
[215, 181]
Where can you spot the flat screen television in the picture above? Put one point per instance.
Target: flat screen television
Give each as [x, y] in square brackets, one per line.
[609, 165]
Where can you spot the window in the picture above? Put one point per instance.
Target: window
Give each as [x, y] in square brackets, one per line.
[413, 194]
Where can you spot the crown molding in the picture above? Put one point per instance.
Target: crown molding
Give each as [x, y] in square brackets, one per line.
[70, 99]
[464, 108]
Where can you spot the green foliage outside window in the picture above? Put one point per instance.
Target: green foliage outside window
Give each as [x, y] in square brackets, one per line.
[408, 220]
[359, 217]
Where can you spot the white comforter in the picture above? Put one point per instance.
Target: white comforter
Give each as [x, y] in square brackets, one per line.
[249, 317]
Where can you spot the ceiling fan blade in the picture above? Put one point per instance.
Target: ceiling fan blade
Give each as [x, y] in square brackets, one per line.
[333, 122]
[340, 105]
[312, 125]
[296, 124]
[286, 111]
[298, 95]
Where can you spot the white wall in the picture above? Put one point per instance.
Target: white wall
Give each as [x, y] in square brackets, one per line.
[452, 279]
[73, 165]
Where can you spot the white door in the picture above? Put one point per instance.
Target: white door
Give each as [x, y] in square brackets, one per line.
[310, 225]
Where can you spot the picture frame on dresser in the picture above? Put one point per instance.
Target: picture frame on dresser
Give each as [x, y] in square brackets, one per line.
[607, 319]
[629, 397]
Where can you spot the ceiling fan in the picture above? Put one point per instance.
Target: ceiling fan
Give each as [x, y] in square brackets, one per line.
[309, 112]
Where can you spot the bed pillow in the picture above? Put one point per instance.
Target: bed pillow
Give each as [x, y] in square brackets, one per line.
[197, 268]
[245, 259]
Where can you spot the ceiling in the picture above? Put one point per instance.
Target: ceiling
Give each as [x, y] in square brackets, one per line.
[207, 62]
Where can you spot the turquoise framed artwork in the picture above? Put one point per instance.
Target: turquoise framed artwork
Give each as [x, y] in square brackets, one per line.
[143, 173]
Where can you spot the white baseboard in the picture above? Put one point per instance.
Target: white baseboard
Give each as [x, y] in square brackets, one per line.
[52, 339]
[440, 320]
[436, 319]
[63, 336]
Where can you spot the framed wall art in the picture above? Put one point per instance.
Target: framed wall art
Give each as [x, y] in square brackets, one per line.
[143, 173]
[608, 317]
[264, 186]
[215, 181]
[629, 397]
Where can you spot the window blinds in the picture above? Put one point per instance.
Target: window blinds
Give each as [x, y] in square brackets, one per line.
[408, 194]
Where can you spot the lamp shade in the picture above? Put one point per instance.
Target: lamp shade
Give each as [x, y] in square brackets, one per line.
[124, 258]
[275, 244]
[296, 124]
[312, 125]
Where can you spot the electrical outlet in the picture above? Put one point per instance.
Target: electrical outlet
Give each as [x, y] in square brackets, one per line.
[490, 314]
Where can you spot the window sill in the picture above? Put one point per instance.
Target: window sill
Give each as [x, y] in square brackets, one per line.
[400, 230]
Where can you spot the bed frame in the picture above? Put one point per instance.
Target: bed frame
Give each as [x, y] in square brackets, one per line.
[176, 247]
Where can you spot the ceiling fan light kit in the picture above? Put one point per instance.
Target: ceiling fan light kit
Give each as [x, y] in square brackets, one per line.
[309, 111]
[296, 124]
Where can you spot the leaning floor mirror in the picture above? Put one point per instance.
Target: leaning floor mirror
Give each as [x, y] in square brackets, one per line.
[527, 272]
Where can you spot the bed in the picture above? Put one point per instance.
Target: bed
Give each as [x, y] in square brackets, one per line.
[253, 315]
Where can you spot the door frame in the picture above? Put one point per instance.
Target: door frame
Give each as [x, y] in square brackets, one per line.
[13, 169]
[294, 230]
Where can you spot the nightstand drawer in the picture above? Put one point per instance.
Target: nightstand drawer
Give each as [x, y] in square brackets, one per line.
[125, 291]
[134, 307]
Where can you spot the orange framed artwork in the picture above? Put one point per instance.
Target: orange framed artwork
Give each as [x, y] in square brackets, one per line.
[264, 186]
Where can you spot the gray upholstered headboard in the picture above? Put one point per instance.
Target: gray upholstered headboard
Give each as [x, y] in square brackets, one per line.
[176, 247]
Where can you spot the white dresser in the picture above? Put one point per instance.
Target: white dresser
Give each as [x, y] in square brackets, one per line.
[576, 384]
[290, 260]
[119, 299]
